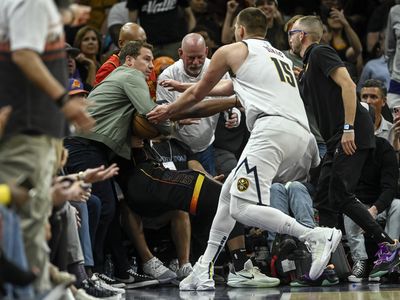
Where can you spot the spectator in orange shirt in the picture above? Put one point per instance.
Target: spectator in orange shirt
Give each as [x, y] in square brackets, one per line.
[129, 32]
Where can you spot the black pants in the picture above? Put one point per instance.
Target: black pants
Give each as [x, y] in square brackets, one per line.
[338, 179]
[153, 190]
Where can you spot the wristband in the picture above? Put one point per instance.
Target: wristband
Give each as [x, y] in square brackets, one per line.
[348, 130]
[5, 194]
[63, 99]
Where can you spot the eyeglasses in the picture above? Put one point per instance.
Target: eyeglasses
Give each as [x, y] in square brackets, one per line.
[291, 32]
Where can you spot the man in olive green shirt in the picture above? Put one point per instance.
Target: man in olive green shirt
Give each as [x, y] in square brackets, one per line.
[115, 100]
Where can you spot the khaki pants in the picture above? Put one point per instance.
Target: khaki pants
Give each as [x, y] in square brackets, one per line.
[35, 157]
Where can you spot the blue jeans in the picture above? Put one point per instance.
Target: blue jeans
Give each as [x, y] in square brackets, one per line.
[13, 247]
[89, 222]
[85, 154]
[207, 160]
[355, 236]
[293, 200]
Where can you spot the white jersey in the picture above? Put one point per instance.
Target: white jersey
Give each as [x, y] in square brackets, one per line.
[265, 85]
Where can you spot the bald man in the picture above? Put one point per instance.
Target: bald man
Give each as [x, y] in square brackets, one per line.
[190, 68]
[129, 32]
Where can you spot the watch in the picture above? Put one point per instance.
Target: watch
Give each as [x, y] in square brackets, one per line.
[348, 127]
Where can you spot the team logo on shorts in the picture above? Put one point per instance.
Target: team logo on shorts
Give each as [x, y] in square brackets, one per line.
[242, 184]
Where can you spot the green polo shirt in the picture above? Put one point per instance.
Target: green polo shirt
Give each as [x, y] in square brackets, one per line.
[115, 100]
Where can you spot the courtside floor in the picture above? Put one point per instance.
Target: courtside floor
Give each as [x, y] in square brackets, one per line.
[344, 291]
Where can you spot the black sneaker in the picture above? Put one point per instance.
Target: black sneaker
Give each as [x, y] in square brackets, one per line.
[110, 281]
[328, 278]
[97, 291]
[134, 280]
[388, 259]
[358, 272]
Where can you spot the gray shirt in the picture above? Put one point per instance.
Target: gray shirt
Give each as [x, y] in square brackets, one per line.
[392, 46]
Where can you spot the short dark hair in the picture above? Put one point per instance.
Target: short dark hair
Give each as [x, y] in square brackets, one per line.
[312, 25]
[254, 20]
[375, 83]
[132, 48]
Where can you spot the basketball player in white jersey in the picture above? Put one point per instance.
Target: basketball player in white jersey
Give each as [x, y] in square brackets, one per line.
[264, 83]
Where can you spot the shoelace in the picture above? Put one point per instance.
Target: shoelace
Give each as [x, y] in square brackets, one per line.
[96, 290]
[383, 254]
[106, 278]
[256, 271]
[359, 268]
[133, 273]
[308, 246]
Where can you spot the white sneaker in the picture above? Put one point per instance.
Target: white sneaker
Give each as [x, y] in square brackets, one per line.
[155, 268]
[201, 278]
[251, 276]
[68, 295]
[100, 280]
[321, 242]
[82, 295]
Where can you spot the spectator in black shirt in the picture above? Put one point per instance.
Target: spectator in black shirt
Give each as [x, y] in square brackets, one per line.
[348, 131]
[163, 22]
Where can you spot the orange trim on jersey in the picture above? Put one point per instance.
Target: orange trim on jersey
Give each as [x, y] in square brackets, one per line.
[5, 46]
[59, 44]
[196, 193]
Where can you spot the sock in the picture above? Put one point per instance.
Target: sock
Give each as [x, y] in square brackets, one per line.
[294, 228]
[78, 269]
[239, 258]
[89, 271]
[216, 243]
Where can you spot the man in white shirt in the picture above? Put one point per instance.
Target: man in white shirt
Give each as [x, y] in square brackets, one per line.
[190, 69]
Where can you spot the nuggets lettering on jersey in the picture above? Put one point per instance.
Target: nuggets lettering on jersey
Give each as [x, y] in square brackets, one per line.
[242, 184]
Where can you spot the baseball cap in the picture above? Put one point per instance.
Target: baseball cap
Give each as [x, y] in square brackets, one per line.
[71, 50]
[76, 87]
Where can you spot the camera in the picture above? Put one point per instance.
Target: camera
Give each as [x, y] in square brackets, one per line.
[396, 111]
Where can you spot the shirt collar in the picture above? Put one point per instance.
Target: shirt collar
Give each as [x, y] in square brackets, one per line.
[385, 126]
[307, 52]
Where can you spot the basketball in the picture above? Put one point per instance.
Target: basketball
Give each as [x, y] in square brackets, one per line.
[142, 128]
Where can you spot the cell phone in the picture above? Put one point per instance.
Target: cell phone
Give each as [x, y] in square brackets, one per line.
[396, 111]
[228, 114]
[25, 182]
[159, 102]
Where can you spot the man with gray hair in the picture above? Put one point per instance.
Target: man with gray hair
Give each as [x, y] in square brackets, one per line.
[188, 70]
